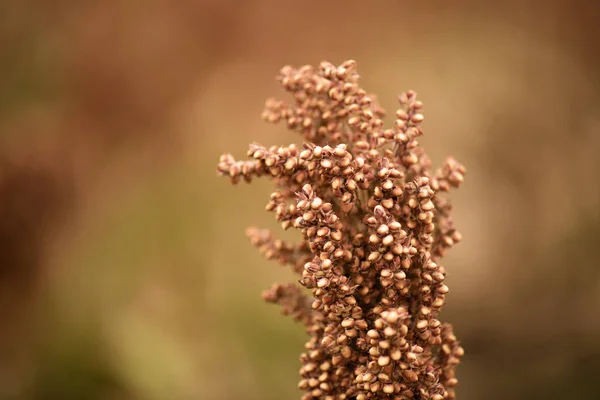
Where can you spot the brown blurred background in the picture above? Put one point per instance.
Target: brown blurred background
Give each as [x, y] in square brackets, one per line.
[125, 273]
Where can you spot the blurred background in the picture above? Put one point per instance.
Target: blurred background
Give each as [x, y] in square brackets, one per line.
[125, 272]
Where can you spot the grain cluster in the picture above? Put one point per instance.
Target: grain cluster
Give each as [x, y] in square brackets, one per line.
[374, 226]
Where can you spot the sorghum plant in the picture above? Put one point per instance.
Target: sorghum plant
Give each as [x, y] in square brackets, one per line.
[374, 227]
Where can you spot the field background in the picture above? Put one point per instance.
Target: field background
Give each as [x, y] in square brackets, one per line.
[124, 269]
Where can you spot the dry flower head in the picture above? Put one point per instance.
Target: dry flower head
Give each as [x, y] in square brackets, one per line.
[374, 228]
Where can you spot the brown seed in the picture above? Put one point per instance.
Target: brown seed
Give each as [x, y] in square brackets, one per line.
[326, 164]
[387, 185]
[387, 203]
[323, 232]
[400, 275]
[348, 323]
[417, 118]
[427, 205]
[421, 324]
[323, 282]
[347, 197]
[375, 387]
[410, 159]
[336, 183]
[346, 352]
[383, 229]
[373, 334]
[438, 302]
[410, 375]
[392, 317]
[401, 115]
[308, 216]
[316, 203]
[396, 354]
[389, 239]
[386, 273]
[389, 331]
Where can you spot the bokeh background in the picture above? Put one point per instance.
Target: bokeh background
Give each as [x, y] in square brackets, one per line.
[125, 273]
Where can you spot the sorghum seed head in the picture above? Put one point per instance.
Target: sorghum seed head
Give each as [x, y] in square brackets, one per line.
[374, 227]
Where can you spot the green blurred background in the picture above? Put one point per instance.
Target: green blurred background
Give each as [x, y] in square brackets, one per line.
[125, 271]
